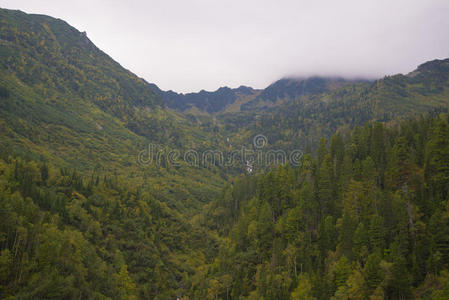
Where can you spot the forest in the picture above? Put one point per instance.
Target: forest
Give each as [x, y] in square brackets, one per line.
[367, 217]
[363, 215]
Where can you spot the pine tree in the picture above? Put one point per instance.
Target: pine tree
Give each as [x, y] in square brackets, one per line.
[342, 271]
[325, 187]
[372, 271]
[376, 234]
[361, 241]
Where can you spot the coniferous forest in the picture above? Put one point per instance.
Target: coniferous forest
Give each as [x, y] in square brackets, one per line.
[363, 214]
[366, 218]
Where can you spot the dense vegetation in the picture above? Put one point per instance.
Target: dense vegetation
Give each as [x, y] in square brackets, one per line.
[291, 88]
[66, 105]
[364, 216]
[296, 120]
[58, 92]
[63, 236]
[367, 218]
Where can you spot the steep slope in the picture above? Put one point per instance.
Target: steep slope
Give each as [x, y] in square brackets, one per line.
[65, 101]
[122, 229]
[59, 87]
[41, 50]
[367, 218]
[115, 228]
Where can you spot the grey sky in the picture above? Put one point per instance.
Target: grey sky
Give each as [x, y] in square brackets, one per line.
[204, 44]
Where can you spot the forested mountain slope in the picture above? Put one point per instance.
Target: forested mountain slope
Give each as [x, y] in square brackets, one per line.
[59, 88]
[295, 88]
[81, 217]
[367, 218]
[421, 89]
[302, 121]
[84, 217]
[63, 100]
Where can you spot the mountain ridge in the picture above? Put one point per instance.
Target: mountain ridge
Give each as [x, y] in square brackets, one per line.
[287, 89]
[208, 101]
[85, 217]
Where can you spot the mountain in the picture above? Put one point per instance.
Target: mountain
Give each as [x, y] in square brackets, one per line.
[210, 102]
[419, 86]
[247, 98]
[434, 73]
[57, 86]
[300, 122]
[294, 88]
[89, 211]
[83, 216]
[70, 61]
[429, 79]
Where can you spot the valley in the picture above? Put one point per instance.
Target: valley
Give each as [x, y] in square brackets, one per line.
[364, 213]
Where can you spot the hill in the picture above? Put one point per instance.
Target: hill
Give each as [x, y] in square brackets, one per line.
[84, 216]
[366, 218]
[295, 88]
[298, 121]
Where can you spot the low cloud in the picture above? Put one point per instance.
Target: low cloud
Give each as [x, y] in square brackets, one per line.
[192, 45]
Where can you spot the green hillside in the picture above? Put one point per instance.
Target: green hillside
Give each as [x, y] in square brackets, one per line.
[68, 107]
[66, 102]
[367, 218]
[300, 120]
[86, 214]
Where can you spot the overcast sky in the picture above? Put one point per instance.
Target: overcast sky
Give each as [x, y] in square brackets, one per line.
[189, 45]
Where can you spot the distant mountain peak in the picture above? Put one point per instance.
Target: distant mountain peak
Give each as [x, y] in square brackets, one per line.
[209, 101]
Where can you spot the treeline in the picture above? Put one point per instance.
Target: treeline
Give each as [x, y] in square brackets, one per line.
[367, 217]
